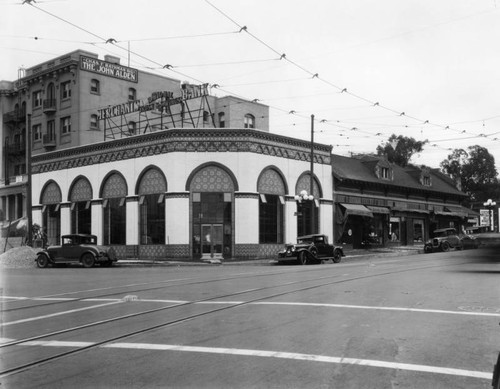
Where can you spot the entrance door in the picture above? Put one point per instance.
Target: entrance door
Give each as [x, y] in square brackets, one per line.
[211, 241]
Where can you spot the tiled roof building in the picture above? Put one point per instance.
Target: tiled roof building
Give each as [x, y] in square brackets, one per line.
[378, 202]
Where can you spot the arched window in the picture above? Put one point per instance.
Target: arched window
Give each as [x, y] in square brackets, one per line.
[80, 196]
[114, 194]
[152, 188]
[51, 214]
[249, 121]
[272, 190]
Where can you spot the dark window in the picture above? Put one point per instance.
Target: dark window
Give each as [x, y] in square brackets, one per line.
[66, 125]
[114, 220]
[249, 121]
[66, 90]
[270, 219]
[81, 218]
[132, 127]
[132, 94]
[95, 86]
[37, 99]
[94, 122]
[37, 132]
[52, 223]
[152, 219]
[222, 119]
[51, 130]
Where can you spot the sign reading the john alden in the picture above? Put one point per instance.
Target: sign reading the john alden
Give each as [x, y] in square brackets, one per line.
[109, 69]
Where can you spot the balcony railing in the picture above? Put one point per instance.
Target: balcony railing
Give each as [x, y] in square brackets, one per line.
[15, 148]
[16, 116]
[49, 140]
[49, 105]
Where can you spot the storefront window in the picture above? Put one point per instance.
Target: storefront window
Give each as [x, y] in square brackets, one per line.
[81, 217]
[152, 219]
[395, 229]
[270, 219]
[418, 230]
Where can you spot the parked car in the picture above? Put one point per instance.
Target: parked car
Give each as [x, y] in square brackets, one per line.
[311, 248]
[77, 248]
[447, 238]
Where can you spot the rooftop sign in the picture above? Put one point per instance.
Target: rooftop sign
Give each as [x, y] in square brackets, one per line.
[158, 101]
[108, 69]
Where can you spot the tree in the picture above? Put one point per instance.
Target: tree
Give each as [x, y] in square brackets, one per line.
[399, 149]
[474, 170]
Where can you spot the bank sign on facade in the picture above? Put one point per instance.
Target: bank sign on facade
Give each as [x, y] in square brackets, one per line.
[109, 69]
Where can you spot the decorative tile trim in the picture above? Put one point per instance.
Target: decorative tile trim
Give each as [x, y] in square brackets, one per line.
[177, 195]
[246, 195]
[183, 140]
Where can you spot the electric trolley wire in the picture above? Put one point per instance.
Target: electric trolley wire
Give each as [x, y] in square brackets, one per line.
[282, 56]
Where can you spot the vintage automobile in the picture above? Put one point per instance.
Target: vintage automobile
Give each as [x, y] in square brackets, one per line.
[447, 238]
[310, 249]
[77, 248]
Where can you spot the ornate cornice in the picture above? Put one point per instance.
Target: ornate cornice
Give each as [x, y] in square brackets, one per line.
[182, 140]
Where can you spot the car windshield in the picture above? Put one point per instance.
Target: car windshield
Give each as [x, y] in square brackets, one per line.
[304, 240]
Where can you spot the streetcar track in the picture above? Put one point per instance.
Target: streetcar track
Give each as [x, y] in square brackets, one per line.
[198, 281]
[188, 318]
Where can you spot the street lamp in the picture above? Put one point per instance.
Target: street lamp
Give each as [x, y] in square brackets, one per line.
[304, 201]
[490, 205]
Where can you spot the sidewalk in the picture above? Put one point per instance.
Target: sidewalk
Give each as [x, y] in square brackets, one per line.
[350, 254]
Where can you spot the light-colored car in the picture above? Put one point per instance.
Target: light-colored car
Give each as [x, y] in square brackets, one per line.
[77, 248]
[447, 238]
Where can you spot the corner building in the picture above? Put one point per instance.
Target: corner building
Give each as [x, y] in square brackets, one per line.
[185, 193]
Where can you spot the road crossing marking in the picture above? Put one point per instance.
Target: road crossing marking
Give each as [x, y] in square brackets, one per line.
[57, 314]
[270, 354]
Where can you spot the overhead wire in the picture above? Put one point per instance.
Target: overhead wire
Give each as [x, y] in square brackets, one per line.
[282, 56]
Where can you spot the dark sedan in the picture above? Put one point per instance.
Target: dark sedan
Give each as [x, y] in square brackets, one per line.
[77, 248]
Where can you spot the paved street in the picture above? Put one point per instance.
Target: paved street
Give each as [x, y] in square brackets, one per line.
[419, 321]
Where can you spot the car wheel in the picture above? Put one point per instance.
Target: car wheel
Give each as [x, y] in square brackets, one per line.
[302, 258]
[445, 246]
[427, 249]
[337, 256]
[88, 260]
[42, 261]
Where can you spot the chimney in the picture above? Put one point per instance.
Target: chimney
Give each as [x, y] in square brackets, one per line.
[112, 59]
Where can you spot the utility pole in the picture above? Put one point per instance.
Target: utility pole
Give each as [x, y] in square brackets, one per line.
[311, 182]
[29, 200]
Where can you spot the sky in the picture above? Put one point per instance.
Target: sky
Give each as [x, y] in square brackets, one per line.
[365, 69]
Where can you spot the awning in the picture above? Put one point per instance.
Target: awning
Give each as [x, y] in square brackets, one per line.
[357, 210]
[452, 214]
[376, 209]
[414, 210]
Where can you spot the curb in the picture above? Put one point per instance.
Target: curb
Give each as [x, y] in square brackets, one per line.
[355, 255]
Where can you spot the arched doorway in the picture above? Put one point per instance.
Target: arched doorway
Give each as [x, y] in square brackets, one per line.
[212, 189]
